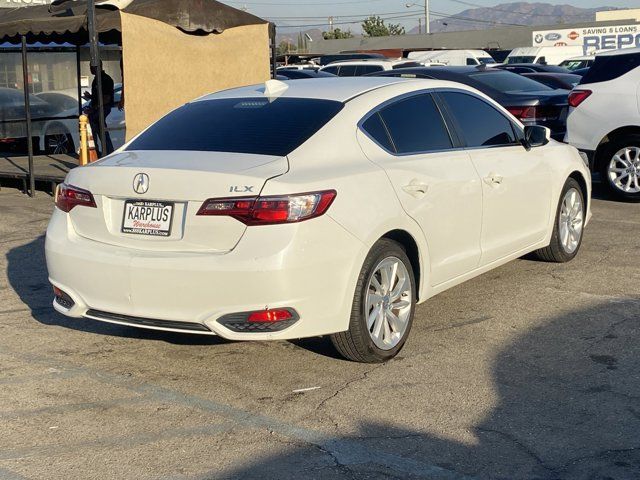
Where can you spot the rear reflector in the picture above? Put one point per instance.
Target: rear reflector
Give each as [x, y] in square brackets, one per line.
[578, 96]
[270, 316]
[62, 298]
[269, 320]
[272, 209]
[68, 197]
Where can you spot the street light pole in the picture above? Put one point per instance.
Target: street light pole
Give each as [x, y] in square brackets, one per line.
[427, 17]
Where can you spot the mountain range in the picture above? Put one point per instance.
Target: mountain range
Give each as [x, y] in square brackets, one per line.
[503, 15]
[512, 14]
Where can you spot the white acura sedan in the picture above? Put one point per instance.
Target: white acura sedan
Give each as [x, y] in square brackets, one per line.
[324, 207]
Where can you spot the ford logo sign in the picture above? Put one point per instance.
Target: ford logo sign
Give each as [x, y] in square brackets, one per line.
[552, 37]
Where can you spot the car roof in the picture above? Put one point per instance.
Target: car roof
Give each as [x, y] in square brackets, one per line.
[623, 51]
[464, 70]
[340, 89]
[369, 61]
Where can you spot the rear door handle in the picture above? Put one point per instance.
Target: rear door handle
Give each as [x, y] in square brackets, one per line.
[416, 189]
[493, 179]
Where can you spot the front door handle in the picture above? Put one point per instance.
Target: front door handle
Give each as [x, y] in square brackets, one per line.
[416, 189]
[493, 179]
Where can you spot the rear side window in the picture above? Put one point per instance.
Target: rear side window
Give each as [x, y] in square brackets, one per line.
[480, 123]
[610, 67]
[415, 125]
[332, 70]
[374, 127]
[239, 125]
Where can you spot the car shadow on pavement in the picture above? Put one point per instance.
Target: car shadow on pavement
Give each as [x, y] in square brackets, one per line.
[567, 407]
[563, 403]
[27, 275]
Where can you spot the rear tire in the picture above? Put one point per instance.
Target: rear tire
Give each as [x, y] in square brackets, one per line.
[58, 141]
[619, 167]
[383, 306]
[568, 227]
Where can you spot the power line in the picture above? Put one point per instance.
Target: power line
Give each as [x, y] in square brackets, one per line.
[297, 4]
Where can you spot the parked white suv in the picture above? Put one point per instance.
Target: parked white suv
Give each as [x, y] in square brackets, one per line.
[604, 120]
[358, 68]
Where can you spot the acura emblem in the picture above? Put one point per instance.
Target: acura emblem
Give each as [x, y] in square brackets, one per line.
[141, 183]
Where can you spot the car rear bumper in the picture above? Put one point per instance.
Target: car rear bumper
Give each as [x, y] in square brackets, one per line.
[310, 267]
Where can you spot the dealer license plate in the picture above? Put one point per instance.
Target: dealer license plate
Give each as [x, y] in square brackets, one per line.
[147, 218]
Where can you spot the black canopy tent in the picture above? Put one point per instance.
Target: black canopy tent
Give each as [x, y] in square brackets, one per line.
[73, 22]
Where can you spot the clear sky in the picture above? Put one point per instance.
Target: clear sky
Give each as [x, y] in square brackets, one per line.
[316, 12]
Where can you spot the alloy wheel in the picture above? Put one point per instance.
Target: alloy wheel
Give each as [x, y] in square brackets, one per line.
[571, 220]
[624, 170]
[58, 143]
[388, 303]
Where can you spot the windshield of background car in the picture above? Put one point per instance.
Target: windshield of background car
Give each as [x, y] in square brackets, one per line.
[239, 125]
[486, 61]
[508, 82]
[521, 59]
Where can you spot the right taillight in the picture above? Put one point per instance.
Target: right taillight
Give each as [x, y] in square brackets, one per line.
[270, 210]
[576, 97]
[68, 197]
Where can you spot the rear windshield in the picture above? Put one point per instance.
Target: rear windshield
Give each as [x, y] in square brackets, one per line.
[508, 82]
[521, 59]
[610, 67]
[239, 125]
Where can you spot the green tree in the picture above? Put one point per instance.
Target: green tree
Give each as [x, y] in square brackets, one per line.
[337, 34]
[374, 26]
[285, 46]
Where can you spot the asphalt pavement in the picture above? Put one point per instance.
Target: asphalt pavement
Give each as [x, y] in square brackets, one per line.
[531, 371]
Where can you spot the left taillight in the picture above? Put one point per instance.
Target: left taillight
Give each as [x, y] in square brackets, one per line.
[270, 210]
[536, 113]
[68, 197]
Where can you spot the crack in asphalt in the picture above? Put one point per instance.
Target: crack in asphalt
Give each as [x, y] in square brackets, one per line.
[599, 454]
[346, 385]
[520, 444]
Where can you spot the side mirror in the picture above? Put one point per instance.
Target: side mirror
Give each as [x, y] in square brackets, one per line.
[536, 136]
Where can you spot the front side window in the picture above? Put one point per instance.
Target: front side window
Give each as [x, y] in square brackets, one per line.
[347, 71]
[364, 69]
[239, 125]
[480, 123]
[415, 125]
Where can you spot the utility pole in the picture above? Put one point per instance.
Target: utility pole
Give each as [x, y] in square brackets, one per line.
[331, 24]
[427, 27]
[419, 26]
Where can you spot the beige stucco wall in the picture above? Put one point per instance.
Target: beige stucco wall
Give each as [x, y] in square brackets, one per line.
[630, 14]
[165, 68]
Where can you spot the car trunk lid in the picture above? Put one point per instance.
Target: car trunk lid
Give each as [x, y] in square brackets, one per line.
[175, 185]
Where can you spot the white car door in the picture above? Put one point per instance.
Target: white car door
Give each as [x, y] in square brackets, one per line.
[436, 184]
[516, 183]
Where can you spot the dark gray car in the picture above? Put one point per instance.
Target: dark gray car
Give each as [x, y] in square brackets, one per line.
[531, 102]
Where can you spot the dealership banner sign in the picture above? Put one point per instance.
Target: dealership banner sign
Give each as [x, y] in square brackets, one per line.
[590, 38]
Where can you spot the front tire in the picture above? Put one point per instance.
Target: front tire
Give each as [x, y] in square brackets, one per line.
[383, 306]
[568, 226]
[620, 167]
